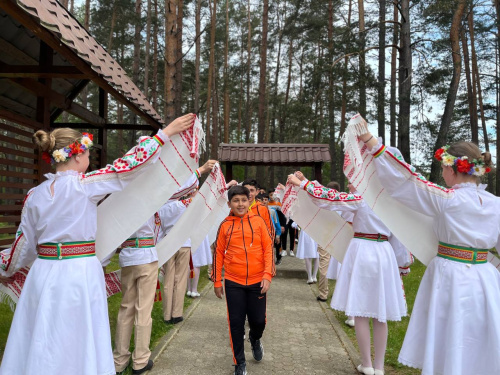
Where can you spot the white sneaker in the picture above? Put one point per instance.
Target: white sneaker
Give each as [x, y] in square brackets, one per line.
[195, 294]
[291, 253]
[350, 322]
[283, 253]
[315, 280]
[310, 281]
[378, 372]
[189, 294]
[366, 370]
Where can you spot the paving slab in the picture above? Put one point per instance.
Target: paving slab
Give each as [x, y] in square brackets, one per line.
[299, 337]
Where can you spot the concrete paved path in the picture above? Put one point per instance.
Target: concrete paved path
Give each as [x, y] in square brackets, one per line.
[299, 338]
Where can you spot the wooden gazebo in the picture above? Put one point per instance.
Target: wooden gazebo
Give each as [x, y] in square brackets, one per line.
[276, 154]
[47, 59]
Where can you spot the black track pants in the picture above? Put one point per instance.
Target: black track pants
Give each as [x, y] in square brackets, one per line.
[244, 301]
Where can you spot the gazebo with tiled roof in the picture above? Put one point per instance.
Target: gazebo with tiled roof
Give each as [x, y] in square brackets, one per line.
[47, 59]
[274, 154]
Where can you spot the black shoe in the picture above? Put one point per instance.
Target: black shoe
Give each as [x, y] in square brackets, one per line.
[177, 320]
[321, 299]
[168, 321]
[240, 369]
[148, 367]
[257, 350]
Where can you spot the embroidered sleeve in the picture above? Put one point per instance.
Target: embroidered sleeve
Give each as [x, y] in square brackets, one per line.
[116, 176]
[23, 251]
[189, 186]
[331, 199]
[405, 184]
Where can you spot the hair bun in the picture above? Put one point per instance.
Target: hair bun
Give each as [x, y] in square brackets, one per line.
[45, 141]
[486, 156]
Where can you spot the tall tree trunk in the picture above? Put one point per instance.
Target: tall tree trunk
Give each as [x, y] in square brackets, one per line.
[137, 47]
[72, 6]
[284, 109]
[197, 59]
[381, 71]
[331, 104]
[226, 78]
[86, 24]
[170, 59]
[405, 73]
[154, 96]
[215, 114]
[362, 62]
[263, 69]
[64, 3]
[148, 47]
[249, 69]
[211, 67]
[471, 97]
[113, 23]
[394, 56]
[241, 92]
[178, 65]
[452, 93]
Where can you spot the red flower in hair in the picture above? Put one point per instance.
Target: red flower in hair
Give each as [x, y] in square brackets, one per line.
[438, 154]
[46, 157]
[76, 148]
[463, 166]
[488, 170]
[90, 135]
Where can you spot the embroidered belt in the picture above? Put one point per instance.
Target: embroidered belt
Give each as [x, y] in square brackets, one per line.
[371, 237]
[139, 242]
[66, 250]
[462, 254]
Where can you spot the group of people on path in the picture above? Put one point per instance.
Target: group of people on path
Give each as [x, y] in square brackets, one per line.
[61, 323]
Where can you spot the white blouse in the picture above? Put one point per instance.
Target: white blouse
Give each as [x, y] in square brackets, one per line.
[169, 214]
[70, 214]
[465, 215]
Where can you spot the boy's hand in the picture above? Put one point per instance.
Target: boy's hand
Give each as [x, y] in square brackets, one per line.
[231, 183]
[179, 125]
[219, 291]
[207, 167]
[264, 284]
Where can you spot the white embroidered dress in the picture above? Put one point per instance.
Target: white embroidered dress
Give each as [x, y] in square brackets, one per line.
[61, 323]
[203, 255]
[369, 284]
[333, 271]
[307, 247]
[454, 326]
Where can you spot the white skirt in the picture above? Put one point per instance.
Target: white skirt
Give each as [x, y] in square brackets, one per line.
[455, 322]
[307, 247]
[61, 323]
[203, 255]
[369, 284]
[333, 270]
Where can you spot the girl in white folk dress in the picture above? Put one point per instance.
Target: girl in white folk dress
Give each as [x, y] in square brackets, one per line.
[369, 285]
[454, 326]
[307, 249]
[61, 323]
[201, 257]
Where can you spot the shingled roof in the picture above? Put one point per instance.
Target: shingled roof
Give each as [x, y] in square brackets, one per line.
[278, 154]
[23, 24]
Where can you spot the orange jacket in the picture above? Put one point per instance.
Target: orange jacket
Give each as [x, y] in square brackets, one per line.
[245, 250]
[259, 209]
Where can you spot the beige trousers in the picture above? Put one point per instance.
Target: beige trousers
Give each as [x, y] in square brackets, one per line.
[175, 283]
[324, 261]
[138, 294]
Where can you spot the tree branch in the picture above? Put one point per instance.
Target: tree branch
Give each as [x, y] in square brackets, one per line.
[359, 52]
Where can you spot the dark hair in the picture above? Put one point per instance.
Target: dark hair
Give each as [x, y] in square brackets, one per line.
[251, 182]
[270, 191]
[262, 196]
[333, 185]
[238, 190]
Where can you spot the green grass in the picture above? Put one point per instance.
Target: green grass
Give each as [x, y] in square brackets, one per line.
[159, 327]
[397, 330]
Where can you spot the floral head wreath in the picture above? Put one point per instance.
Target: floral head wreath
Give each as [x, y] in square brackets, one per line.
[63, 154]
[462, 164]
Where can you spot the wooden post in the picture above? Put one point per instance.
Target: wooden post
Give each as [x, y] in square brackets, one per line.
[103, 133]
[46, 55]
[317, 172]
[229, 171]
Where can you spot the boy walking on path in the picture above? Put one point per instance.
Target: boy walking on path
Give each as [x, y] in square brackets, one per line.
[245, 250]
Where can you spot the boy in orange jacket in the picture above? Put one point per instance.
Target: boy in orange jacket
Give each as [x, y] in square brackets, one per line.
[245, 250]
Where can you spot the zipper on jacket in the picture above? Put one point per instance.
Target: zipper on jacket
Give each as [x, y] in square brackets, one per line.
[245, 247]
